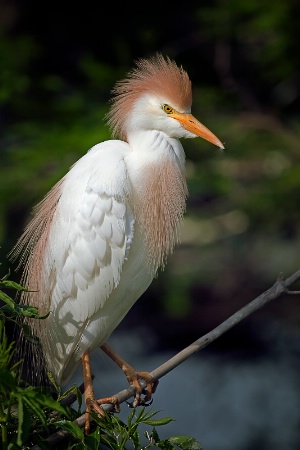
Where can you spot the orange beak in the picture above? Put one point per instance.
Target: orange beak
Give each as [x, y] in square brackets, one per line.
[190, 123]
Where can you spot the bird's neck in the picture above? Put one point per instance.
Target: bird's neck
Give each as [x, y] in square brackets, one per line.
[159, 192]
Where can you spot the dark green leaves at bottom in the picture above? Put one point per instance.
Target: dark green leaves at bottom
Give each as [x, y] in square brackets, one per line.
[93, 440]
[185, 442]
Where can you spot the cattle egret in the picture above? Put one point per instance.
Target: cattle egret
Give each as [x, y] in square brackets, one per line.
[98, 238]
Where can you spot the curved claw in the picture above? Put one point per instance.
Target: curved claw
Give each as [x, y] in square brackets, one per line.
[130, 404]
[142, 402]
[148, 403]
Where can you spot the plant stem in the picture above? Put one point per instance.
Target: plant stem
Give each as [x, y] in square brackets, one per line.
[3, 425]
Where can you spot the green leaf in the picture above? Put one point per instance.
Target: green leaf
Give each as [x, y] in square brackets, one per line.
[8, 300]
[30, 311]
[71, 391]
[13, 446]
[158, 422]
[130, 418]
[20, 420]
[53, 382]
[93, 440]
[185, 442]
[144, 416]
[8, 284]
[69, 396]
[72, 428]
[24, 422]
[35, 407]
[155, 435]
[79, 398]
[165, 445]
[46, 401]
[19, 310]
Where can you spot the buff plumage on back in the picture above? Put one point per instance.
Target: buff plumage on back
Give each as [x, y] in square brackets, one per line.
[30, 250]
[157, 75]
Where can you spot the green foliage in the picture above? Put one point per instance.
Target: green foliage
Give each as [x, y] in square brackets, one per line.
[263, 34]
[115, 434]
[18, 53]
[13, 311]
[22, 409]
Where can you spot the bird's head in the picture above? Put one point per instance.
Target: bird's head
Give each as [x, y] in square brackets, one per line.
[156, 95]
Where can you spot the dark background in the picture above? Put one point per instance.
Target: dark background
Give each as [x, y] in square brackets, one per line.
[59, 61]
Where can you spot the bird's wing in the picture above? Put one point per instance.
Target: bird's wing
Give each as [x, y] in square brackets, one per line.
[90, 235]
[75, 247]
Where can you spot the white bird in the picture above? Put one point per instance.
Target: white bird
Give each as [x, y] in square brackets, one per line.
[98, 238]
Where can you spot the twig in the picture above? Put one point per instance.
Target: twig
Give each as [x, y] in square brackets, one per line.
[279, 287]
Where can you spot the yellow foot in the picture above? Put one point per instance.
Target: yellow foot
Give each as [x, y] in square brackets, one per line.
[133, 376]
[111, 400]
[91, 405]
[95, 406]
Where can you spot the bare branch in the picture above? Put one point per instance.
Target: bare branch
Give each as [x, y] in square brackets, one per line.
[279, 287]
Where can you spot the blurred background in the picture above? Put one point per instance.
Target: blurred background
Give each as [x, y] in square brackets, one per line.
[59, 61]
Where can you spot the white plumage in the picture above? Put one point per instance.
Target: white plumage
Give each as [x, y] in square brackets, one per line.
[100, 235]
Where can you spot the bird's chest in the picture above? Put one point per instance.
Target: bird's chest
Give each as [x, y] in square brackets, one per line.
[158, 202]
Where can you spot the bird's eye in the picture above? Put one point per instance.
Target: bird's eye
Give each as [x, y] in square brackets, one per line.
[167, 109]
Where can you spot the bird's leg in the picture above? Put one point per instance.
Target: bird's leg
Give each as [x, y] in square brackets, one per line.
[133, 376]
[89, 396]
